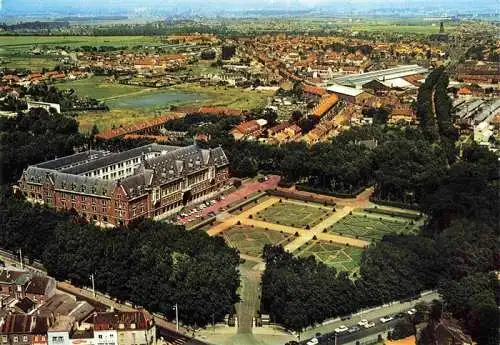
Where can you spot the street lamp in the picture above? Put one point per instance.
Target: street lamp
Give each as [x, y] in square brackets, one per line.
[21, 258]
[176, 308]
[93, 283]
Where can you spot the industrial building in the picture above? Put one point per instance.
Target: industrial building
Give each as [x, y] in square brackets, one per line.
[390, 76]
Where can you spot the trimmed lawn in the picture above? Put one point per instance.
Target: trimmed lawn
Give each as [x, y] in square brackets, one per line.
[251, 241]
[293, 214]
[370, 228]
[343, 258]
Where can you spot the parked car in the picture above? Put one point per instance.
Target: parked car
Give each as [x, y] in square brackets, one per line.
[341, 329]
[353, 329]
[412, 311]
[370, 324]
[362, 323]
[211, 214]
[399, 315]
[386, 319]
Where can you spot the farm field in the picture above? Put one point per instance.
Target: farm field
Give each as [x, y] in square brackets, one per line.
[14, 42]
[343, 258]
[250, 241]
[370, 227]
[295, 214]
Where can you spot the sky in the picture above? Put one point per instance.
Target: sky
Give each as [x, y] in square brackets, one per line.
[76, 5]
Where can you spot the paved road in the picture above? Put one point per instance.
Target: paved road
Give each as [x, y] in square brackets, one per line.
[374, 314]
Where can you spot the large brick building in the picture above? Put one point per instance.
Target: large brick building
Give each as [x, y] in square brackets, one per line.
[115, 188]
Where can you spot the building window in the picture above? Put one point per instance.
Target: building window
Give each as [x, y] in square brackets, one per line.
[4, 338]
[15, 339]
[60, 339]
[100, 336]
[25, 338]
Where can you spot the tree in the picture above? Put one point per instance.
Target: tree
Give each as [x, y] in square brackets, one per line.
[296, 116]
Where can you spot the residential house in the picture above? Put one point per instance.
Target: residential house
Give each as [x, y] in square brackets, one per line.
[22, 329]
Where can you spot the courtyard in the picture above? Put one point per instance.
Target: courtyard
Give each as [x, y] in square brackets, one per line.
[251, 240]
[295, 214]
[371, 227]
[343, 258]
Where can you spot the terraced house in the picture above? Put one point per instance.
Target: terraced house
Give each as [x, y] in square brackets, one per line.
[115, 188]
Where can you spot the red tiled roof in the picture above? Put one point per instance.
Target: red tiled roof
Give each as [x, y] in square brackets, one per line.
[113, 133]
[325, 105]
[113, 320]
[248, 127]
[464, 91]
[314, 90]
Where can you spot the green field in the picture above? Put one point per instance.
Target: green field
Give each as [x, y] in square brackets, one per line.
[14, 42]
[371, 228]
[343, 258]
[130, 104]
[294, 214]
[251, 241]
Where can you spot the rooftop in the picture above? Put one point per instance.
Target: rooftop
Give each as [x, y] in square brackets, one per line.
[350, 91]
[382, 75]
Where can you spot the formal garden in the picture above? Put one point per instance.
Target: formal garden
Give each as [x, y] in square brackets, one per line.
[294, 213]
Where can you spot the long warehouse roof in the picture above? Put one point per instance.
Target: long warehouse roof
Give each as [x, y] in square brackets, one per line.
[387, 74]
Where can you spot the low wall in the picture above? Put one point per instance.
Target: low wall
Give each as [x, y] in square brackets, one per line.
[291, 195]
[306, 188]
[397, 204]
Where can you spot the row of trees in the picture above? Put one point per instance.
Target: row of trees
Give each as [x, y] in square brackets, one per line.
[149, 263]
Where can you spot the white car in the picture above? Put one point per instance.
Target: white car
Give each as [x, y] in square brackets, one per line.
[341, 329]
[313, 341]
[386, 319]
[363, 323]
[412, 311]
[370, 325]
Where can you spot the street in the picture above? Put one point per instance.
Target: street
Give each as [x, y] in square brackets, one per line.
[373, 314]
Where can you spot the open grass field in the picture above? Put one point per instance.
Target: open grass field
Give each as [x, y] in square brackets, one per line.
[96, 87]
[370, 228]
[13, 42]
[129, 104]
[293, 214]
[343, 258]
[250, 241]
[28, 62]
[227, 96]
[407, 26]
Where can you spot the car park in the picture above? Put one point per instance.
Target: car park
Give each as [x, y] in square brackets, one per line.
[386, 319]
[341, 329]
[370, 324]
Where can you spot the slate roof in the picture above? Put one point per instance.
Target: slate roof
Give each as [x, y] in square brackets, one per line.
[170, 164]
[183, 161]
[71, 183]
[118, 157]
[38, 285]
[25, 305]
[75, 159]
